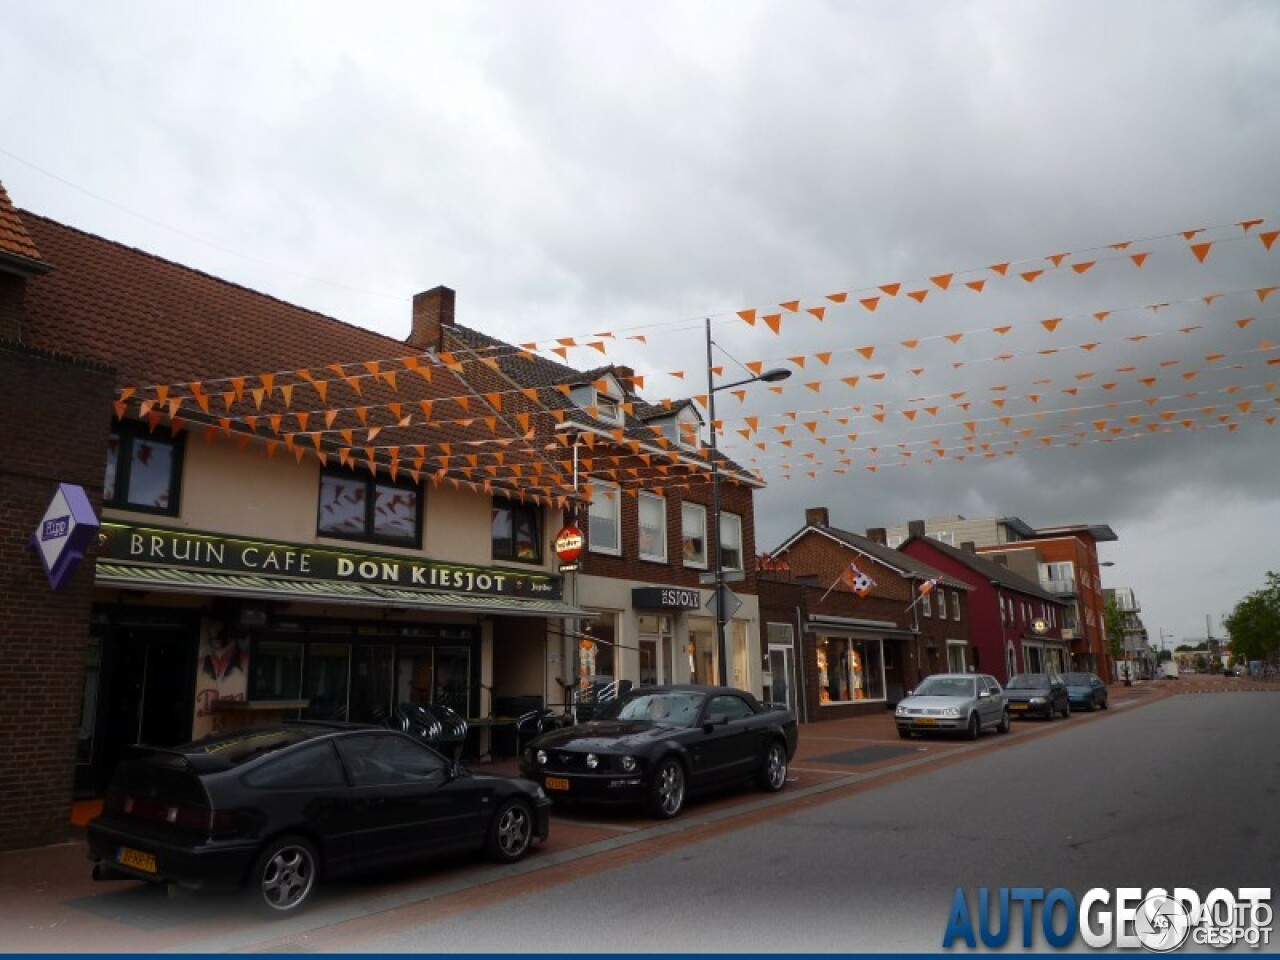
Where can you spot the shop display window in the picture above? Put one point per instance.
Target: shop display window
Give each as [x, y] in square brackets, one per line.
[850, 670]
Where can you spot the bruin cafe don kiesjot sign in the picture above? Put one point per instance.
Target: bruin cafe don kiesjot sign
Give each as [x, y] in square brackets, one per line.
[180, 548]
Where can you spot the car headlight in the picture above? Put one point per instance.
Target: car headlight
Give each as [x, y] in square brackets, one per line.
[1039, 700]
[627, 764]
[951, 712]
[592, 761]
[541, 757]
[900, 711]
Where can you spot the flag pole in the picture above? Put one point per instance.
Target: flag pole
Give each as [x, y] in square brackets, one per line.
[832, 587]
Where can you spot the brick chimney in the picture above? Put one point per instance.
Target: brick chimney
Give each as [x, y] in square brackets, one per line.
[915, 528]
[879, 534]
[432, 312]
[817, 517]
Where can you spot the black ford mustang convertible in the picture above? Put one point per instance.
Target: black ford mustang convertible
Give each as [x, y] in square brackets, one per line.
[658, 745]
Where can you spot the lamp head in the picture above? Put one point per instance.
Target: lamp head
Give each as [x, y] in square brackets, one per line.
[774, 375]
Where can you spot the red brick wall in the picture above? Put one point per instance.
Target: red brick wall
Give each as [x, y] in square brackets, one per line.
[56, 415]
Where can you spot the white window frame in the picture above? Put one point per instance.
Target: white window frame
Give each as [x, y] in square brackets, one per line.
[926, 604]
[608, 408]
[955, 604]
[685, 508]
[600, 495]
[732, 521]
[644, 499]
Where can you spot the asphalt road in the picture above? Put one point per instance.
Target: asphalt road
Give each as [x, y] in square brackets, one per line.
[1183, 792]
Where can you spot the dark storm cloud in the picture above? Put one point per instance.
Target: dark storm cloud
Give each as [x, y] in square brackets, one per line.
[576, 167]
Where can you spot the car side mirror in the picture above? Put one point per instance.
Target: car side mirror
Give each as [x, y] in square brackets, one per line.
[984, 694]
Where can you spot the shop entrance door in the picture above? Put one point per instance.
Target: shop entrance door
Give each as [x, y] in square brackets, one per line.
[781, 687]
[146, 693]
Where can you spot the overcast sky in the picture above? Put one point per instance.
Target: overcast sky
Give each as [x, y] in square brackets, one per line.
[583, 168]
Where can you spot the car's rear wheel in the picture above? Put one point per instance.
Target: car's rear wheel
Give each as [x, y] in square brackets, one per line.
[974, 727]
[773, 774]
[510, 832]
[1066, 709]
[1105, 703]
[666, 796]
[284, 876]
[1005, 724]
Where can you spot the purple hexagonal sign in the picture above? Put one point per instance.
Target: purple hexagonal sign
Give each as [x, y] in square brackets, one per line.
[65, 532]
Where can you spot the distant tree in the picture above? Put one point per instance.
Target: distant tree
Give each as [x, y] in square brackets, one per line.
[1113, 621]
[1254, 624]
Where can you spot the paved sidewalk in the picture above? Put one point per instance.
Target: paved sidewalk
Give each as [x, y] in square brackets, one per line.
[48, 901]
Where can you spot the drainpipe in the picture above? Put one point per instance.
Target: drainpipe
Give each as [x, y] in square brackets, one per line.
[803, 698]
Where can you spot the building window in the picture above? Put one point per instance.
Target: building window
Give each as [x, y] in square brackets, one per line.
[693, 534]
[517, 531]
[604, 524]
[653, 527]
[850, 670]
[730, 541]
[144, 469]
[926, 604]
[365, 508]
[956, 661]
[955, 604]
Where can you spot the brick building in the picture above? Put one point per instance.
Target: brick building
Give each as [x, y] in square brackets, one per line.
[858, 653]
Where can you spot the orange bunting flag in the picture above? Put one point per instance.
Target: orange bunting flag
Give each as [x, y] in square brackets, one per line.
[867, 352]
[1265, 292]
[954, 337]
[748, 315]
[791, 306]
[819, 312]
[870, 303]
[918, 295]
[774, 320]
[1002, 330]
[1201, 250]
[1000, 268]
[1051, 324]
[975, 285]
[890, 289]
[1139, 258]
[838, 297]
[1269, 238]
[943, 280]
[911, 344]
[1084, 267]
[1031, 275]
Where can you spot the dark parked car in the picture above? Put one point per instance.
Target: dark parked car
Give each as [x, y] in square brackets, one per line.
[1037, 695]
[276, 809]
[658, 745]
[1085, 691]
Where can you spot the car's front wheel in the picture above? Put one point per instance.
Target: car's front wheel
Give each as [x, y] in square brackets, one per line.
[510, 832]
[1005, 724]
[904, 733]
[284, 876]
[773, 774]
[974, 727]
[666, 795]
[1066, 708]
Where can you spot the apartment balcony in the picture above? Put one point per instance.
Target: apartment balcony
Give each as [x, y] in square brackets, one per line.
[1063, 588]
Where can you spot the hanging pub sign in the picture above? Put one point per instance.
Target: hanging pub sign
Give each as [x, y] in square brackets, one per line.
[569, 544]
[67, 528]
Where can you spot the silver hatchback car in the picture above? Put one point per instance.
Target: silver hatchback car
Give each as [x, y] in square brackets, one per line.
[966, 703]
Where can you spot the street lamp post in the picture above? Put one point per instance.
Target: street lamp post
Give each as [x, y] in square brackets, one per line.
[768, 376]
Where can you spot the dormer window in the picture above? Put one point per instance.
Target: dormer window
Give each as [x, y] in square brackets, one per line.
[683, 430]
[601, 399]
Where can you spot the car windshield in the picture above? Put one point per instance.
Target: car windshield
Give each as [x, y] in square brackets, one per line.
[671, 708]
[1076, 679]
[946, 687]
[1028, 681]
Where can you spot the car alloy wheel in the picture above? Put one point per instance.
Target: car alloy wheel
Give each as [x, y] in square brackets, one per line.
[510, 832]
[285, 875]
[975, 728]
[1005, 723]
[773, 775]
[668, 789]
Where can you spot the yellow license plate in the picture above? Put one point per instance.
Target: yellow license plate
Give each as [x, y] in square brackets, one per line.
[926, 722]
[557, 783]
[1017, 706]
[137, 859]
